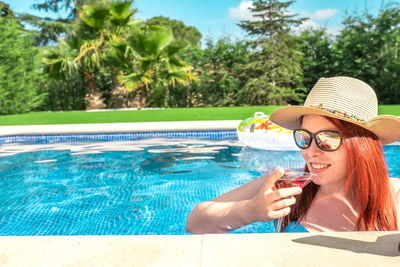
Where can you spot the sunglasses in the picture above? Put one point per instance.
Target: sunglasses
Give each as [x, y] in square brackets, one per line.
[325, 140]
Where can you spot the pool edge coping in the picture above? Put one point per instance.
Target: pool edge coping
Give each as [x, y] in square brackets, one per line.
[332, 248]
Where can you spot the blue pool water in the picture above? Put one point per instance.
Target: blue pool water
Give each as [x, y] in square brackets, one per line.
[127, 186]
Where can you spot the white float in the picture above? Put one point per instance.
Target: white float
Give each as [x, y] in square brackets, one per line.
[260, 133]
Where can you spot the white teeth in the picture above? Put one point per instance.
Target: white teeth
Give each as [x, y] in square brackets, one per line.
[319, 166]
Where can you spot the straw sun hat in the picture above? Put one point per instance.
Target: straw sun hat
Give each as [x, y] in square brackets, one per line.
[346, 99]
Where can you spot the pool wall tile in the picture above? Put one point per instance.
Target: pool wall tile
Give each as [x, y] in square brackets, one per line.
[109, 137]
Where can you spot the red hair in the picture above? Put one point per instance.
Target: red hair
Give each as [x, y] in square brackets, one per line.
[367, 179]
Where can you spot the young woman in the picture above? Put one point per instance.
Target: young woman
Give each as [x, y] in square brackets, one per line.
[340, 136]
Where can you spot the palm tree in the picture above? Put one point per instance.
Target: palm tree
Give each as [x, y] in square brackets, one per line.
[61, 65]
[156, 63]
[102, 27]
[106, 37]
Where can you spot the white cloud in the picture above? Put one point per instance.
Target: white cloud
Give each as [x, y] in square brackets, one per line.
[308, 25]
[334, 31]
[241, 12]
[323, 14]
[311, 25]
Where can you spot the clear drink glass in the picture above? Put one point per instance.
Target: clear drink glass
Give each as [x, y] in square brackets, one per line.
[291, 178]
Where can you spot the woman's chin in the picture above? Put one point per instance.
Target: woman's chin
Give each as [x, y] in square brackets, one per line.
[317, 181]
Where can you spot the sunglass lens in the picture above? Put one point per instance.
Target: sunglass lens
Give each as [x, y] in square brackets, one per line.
[302, 138]
[328, 141]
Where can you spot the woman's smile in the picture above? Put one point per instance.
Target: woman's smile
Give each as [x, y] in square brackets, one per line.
[318, 167]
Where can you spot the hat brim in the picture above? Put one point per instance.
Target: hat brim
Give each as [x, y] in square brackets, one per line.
[386, 127]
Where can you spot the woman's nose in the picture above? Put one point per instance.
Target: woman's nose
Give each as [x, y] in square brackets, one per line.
[313, 149]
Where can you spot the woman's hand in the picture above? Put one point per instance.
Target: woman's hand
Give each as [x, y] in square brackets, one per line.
[255, 201]
[270, 203]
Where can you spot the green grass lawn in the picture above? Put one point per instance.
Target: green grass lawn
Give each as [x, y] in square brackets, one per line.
[171, 114]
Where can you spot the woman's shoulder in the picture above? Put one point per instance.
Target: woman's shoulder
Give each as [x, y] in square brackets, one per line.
[395, 184]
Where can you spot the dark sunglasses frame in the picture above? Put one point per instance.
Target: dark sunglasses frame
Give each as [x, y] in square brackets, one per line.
[314, 137]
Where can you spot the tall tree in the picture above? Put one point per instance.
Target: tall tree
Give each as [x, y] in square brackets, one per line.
[60, 24]
[5, 10]
[19, 67]
[368, 48]
[271, 19]
[275, 75]
[318, 60]
[183, 35]
[221, 72]
[70, 7]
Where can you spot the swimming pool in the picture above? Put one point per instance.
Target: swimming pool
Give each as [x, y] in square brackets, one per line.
[125, 184]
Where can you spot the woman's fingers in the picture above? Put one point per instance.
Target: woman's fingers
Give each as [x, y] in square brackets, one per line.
[283, 203]
[281, 212]
[284, 198]
[272, 177]
[286, 192]
[270, 204]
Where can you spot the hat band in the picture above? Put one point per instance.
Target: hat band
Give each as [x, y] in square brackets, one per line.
[338, 112]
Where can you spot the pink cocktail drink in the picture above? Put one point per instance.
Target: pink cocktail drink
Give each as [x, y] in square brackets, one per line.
[291, 183]
[293, 178]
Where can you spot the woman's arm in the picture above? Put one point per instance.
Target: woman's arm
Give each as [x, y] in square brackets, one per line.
[252, 202]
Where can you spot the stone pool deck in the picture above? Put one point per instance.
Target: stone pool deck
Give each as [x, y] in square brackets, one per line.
[284, 249]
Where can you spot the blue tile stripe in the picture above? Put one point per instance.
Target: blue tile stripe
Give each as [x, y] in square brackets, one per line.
[108, 137]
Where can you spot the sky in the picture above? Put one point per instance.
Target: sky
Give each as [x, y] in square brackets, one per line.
[217, 18]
